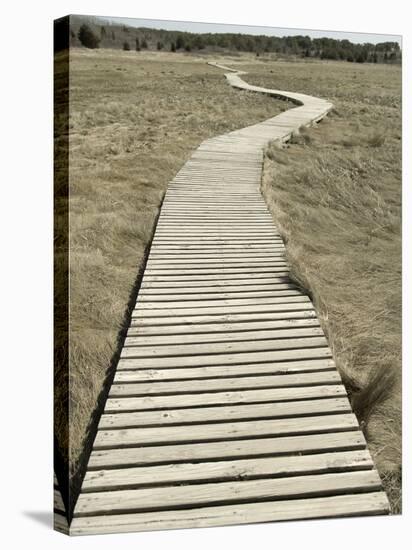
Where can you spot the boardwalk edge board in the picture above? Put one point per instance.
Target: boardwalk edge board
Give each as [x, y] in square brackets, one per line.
[226, 407]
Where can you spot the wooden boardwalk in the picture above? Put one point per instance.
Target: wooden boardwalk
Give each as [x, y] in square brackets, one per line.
[226, 407]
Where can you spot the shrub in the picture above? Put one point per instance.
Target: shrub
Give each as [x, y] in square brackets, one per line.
[126, 46]
[137, 45]
[160, 46]
[144, 43]
[172, 47]
[87, 37]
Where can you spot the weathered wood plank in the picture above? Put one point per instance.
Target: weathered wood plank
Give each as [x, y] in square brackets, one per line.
[293, 321]
[221, 298]
[238, 491]
[314, 508]
[269, 305]
[219, 384]
[226, 450]
[231, 346]
[231, 336]
[224, 359]
[227, 371]
[217, 398]
[225, 413]
[107, 480]
[225, 430]
[225, 317]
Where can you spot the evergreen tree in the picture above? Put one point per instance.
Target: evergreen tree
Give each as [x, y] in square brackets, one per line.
[87, 37]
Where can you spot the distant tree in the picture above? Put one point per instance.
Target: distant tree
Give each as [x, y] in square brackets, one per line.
[125, 29]
[144, 44]
[87, 37]
[179, 43]
[137, 45]
[113, 36]
[360, 57]
[188, 47]
[159, 45]
[126, 46]
[172, 47]
[102, 32]
[198, 42]
[350, 58]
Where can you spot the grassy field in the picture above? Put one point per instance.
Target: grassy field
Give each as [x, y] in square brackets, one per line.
[335, 192]
[135, 118]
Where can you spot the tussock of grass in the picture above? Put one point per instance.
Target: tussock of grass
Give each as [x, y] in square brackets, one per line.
[134, 120]
[378, 387]
[337, 203]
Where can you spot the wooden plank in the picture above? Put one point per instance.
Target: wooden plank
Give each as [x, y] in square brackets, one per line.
[225, 287]
[220, 384]
[215, 278]
[205, 256]
[152, 291]
[224, 492]
[60, 523]
[269, 305]
[225, 317]
[225, 413]
[188, 330]
[245, 270]
[231, 336]
[255, 468]
[231, 346]
[145, 375]
[223, 431]
[201, 248]
[217, 398]
[217, 298]
[314, 508]
[224, 359]
[58, 501]
[226, 450]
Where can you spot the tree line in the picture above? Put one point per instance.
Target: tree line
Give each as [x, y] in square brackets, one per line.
[93, 34]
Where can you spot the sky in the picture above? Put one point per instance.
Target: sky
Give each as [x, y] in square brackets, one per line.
[357, 38]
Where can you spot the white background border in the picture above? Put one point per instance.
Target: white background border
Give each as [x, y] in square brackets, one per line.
[26, 270]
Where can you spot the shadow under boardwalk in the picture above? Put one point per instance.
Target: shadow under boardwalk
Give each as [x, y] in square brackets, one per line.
[226, 406]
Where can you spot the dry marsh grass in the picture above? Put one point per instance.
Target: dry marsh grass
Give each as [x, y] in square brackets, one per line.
[335, 192]
[134, 120]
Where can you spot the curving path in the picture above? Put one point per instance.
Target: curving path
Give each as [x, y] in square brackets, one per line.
[226, 407]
